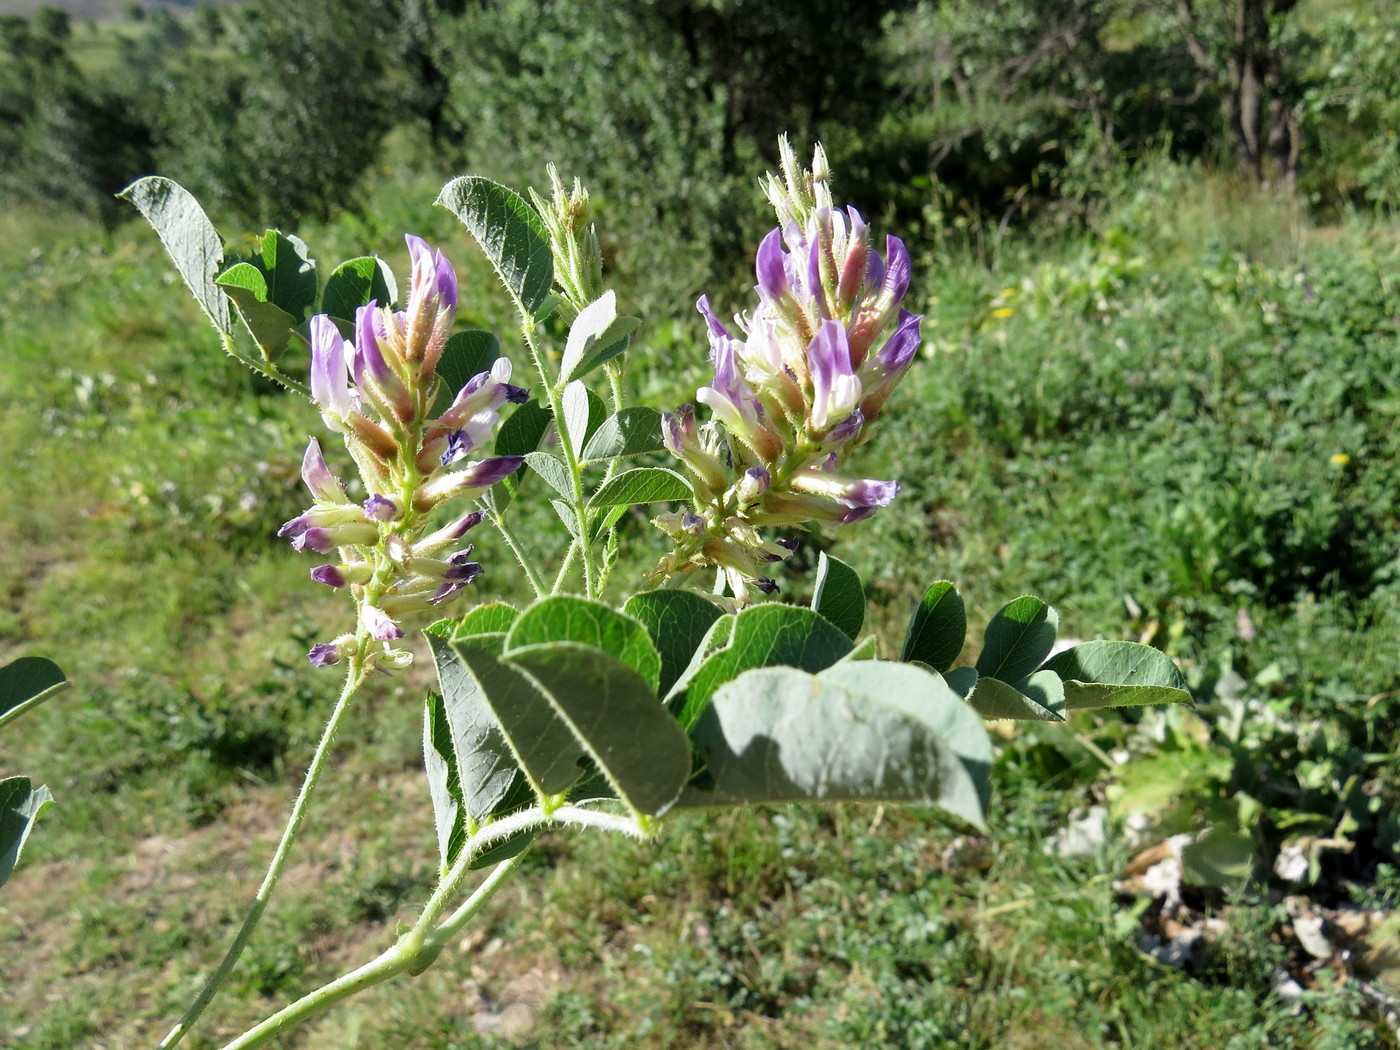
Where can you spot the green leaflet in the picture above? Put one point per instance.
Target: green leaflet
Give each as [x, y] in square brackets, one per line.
[511, 235]
[677, 622]
[642, 485]
[1017, 640]
[597, 335]
[191, 241]
[543, 746]
[838, 595]
[20, 806]
[871, 731]
[631, 432]
[26, 683]
[1118, 674]
[937, 629]
[569, 618]
[764, 636]
[355, 283]
[613, 713]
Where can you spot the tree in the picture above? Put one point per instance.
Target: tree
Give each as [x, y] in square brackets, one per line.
[1237, 45]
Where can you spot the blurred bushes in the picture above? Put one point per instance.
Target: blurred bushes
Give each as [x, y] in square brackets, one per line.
[943, 110]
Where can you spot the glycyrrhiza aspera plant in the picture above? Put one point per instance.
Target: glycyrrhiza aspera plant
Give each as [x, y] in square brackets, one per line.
[600, 705]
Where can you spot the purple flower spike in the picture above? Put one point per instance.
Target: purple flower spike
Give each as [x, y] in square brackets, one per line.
[324, 654]
[379, 508]
[330, 377]
[318, 477]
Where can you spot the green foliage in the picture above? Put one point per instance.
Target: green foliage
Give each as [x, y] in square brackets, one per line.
[24, 684]
[511, 234]
[284, 127]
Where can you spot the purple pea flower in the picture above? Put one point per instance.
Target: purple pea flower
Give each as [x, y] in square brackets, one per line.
[432, 273]
[374, 375]
[330, 377]
[447, 535]
[835, 388]
[468, 482]
[318, 477]
[324, 654]
[380, 624]
[380, 508]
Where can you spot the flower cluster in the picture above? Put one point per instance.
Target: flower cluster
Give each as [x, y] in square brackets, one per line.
[377, 390]
[795, 393]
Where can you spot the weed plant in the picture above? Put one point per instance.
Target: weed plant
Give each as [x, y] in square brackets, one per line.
[1249, 375]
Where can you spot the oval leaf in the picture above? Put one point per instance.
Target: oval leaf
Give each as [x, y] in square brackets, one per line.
[510, 233]
[444, 784]
[356, 283]
[289, 271]
[522, 430]
[993, 698]
[26, 683]
[1118, 674]
[937, 629]
[268, 324]
[191, 241]
[764, 636]
[569, 618]
[677, 622]
[838, 595]
[481, 759]
[782, 735]
[614, 714]
[597, 335]
[543, 746]
[642, 485]
[491, 618]
[631, 432]
[1017, 639]
[554, 470]
[20, 806]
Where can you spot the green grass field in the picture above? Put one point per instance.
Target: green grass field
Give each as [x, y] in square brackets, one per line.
[1179, 426]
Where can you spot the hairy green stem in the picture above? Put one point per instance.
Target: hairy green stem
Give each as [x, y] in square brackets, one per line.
[564, 568]
[265, 369]
[417, 949]
[355, 674]
[531, 573]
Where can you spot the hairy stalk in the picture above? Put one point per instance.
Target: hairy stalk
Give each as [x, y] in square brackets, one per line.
[578, 504]
[564, 568]
[265, 369]
[498, 520]
[417, 949]
[354, 677]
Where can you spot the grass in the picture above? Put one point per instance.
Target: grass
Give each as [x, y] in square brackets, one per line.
[1155, 419]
